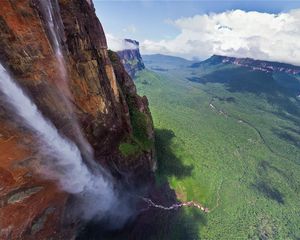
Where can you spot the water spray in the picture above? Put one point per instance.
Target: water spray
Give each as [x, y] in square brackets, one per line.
[174, 206]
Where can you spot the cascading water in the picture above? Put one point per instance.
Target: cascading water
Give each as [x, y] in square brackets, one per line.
[47, 11]
[174, 206]
[55, 26]
[62, 160]
[73, 175]
[64, 163]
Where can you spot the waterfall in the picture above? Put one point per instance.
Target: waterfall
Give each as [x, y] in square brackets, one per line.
[55, 26]
[61, 159]
[63, 162]
[75, 175]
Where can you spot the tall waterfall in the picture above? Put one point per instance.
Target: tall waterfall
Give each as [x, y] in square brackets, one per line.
[63, 161]
[55, 25]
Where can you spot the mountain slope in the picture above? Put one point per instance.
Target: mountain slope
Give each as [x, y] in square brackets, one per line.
[259, 65]
[248, 75]
[160, 62]
[228, 136]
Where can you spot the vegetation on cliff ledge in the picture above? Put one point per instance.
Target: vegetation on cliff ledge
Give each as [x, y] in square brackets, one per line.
[139, 140]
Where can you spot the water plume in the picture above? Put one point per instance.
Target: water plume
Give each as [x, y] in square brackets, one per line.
[70, 164]
[63, 162]
[55, 144]
[54, 25]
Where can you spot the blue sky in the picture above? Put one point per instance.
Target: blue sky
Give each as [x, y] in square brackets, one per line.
[150, 18]
[160, 25]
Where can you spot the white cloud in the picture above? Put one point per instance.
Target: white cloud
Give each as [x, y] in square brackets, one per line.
[236, 33]
[117, 44]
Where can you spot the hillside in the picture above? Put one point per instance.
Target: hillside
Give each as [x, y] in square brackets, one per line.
[244, 74]
[228, 136]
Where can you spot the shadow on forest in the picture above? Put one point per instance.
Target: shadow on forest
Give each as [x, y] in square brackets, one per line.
[276, 89]
[264, 186]
[290, 136]
[266, 169]
[269, 191]
[294, 119]
[168, 163]
[154, 223]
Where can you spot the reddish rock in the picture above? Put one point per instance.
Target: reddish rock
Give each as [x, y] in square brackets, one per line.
[30, 206]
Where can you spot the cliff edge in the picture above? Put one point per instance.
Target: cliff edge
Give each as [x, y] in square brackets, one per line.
[112, 117]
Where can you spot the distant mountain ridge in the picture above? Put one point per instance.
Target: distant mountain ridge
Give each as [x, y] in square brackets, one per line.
[134, 62]
[257, 65]
[162, 63]
[240, 74]
[165, 58]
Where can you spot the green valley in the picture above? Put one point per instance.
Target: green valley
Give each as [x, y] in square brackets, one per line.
[229, 138]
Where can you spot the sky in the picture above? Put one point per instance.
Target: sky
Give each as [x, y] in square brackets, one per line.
[261, 29]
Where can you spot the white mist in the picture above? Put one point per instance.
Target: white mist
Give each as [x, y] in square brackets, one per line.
[95, 190]
[63, 162]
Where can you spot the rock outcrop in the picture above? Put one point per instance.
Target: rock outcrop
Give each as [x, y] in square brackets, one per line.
[113, 118]
[131, 57]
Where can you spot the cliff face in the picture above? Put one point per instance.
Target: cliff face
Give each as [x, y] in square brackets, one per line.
[131, 57]
[113, 118]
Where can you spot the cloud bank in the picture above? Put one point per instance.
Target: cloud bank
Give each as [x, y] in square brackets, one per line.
[117, 44]
[274, 37]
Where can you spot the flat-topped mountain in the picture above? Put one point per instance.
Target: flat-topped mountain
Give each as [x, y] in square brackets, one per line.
[259, 65]
[248, 74]
[131, 57]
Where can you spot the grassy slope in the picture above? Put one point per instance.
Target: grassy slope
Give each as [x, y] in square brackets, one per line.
[251, 184]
